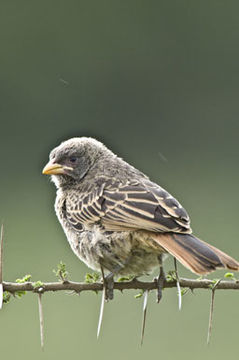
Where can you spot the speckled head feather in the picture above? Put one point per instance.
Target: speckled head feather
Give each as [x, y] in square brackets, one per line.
[79, 145]
[86, 156]
[78, 155]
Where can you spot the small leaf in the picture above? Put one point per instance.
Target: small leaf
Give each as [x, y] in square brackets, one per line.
[229, 275]
[214, 282]
[61, 272]
[20, 294]
[184, 291]
[171, 276]
[6, 297]
[125, 278]
[25, 278]
[138, 296]
[37, 284]
[92, 278]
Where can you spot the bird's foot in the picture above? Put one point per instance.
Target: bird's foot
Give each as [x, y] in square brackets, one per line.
[108, 282]
[160, 280]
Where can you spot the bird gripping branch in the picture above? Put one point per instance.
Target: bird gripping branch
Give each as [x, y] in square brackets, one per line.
[116, 219]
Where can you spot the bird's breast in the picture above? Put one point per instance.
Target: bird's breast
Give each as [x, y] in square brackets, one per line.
[123, 253]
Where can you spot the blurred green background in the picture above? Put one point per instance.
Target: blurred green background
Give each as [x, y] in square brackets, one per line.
[158, 83]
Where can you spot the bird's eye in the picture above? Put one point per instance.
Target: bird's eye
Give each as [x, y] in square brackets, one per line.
[73, 159]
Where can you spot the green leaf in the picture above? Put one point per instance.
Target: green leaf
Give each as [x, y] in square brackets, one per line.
[138, 296]
[25, 278]
[214, 282]
[229, 275]
[61, 272]
[37, 284]
[20, 294]
[126, 278]
[184, 291]
[92, 278]
[171, 276]
[6, 297]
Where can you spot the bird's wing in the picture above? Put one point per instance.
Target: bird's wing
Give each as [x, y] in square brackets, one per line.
[144, 206]
[131, 206]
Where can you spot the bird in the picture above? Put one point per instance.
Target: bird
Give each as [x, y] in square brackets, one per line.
[119, 222]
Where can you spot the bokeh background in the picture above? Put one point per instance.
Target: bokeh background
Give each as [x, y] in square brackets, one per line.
[158, 83]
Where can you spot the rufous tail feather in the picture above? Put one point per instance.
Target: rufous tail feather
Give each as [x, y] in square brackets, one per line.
[196, 255]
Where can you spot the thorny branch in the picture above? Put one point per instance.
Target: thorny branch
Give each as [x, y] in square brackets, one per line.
[173, 281]
[133, 284]
[23, 285]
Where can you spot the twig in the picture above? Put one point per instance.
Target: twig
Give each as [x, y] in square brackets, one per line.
[41, 319]
[13, 287]
[1, 267]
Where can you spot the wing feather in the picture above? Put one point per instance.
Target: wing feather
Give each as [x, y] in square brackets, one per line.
[136, 205]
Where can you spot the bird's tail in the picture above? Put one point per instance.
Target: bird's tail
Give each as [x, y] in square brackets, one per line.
[195, 254]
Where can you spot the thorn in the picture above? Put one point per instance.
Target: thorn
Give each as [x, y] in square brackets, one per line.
[101, 313]
[103, 300]
[178, 286]
[179, 296]
[209, 333]
[145, 303]
[1, 267]
[41, 320]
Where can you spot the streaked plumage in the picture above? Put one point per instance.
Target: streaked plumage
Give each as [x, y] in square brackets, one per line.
[115, 217]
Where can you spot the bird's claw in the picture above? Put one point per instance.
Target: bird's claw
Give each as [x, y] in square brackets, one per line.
[160, 283]
[108, 283]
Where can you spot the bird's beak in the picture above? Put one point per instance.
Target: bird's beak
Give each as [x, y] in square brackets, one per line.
[55, 169]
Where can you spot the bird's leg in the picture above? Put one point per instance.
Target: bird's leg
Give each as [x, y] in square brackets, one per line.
[108, 282]
[105, 283]
[161, 279]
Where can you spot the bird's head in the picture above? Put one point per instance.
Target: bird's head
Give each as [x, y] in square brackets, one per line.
[72, 159]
